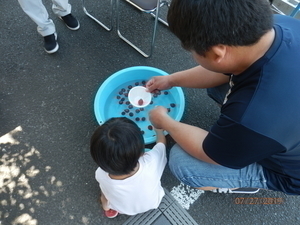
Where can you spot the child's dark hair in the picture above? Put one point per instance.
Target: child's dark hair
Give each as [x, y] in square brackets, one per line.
[117, 145]
[202, 24]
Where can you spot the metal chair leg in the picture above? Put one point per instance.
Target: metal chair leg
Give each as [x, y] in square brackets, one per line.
[295, 11]
[98, 21]
[276, 10]
[153, 34]
[160, 19]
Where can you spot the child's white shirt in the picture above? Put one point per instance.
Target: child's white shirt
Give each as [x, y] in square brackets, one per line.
[140, 192]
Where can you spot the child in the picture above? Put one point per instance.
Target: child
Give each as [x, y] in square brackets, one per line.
[129, 178]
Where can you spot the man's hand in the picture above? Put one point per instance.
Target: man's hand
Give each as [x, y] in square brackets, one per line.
[158, 83]
[158, 115]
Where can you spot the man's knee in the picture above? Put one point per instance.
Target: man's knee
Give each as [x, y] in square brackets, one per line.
[174, 160]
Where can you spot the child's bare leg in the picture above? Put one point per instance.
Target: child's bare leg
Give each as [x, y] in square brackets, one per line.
[104, 202]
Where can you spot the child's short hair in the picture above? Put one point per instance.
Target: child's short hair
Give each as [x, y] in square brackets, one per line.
[117, 145]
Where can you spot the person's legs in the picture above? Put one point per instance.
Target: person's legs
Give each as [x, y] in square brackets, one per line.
[110, 213]
[104, 202]
[38, 13]
[199, 174]
[61, 7]
[45, 26]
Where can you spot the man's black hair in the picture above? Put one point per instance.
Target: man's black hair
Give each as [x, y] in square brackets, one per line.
[117, 145]
[202, 24]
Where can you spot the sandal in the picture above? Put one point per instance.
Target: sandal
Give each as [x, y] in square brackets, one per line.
[111, 213]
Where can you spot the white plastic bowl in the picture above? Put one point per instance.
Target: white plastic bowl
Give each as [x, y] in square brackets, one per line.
[139, 97]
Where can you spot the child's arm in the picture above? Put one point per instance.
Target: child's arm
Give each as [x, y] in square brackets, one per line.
[160, 137]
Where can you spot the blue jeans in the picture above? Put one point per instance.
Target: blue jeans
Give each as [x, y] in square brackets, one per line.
[196, 173]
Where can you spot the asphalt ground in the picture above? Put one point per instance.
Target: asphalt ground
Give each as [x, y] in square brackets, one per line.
[47, 118]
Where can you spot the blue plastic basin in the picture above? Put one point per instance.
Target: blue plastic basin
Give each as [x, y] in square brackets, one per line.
[110, 95]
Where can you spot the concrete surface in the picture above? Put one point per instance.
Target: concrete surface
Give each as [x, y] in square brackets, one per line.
[46, 120]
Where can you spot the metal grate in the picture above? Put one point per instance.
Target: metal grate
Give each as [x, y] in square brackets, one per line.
[169, 212]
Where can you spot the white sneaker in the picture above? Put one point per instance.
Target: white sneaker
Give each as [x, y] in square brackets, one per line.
[50, 43]
[236, 191]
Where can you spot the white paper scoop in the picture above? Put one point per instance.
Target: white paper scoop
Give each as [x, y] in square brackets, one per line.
[139, 97]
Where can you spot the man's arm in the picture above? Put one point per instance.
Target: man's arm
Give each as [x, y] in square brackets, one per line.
[189, 137]
[196, 77]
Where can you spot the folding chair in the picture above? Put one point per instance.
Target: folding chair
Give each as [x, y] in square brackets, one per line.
[149, 6]
[108, 28]
[292, 14]
[276, 10]
[295, 11]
